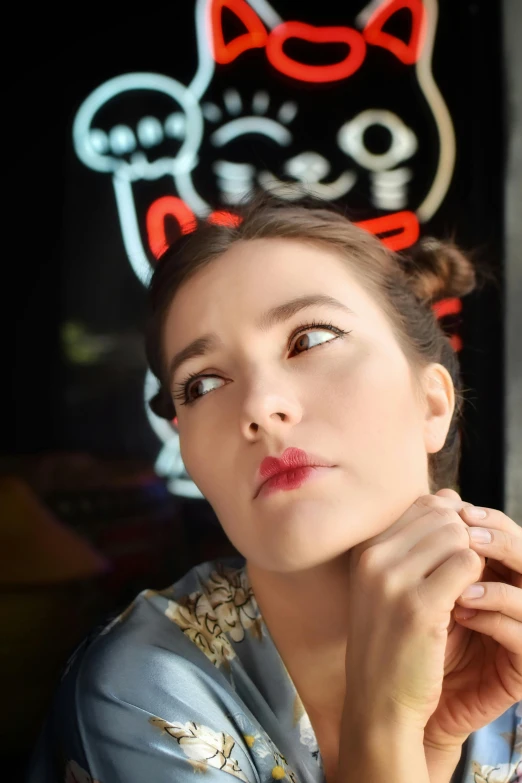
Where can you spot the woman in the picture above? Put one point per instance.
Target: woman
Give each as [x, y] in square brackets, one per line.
[318, 403]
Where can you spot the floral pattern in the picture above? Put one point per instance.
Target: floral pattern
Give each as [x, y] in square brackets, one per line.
[203, 746]
[216, 615]
[501, 773]
[253, 719]
[263, 748]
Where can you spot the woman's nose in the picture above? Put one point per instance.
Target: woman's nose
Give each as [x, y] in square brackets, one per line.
[269, 410]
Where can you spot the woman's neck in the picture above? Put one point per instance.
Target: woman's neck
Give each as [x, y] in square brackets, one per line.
[304, 612]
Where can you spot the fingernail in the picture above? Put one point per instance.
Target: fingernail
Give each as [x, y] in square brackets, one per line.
[480, 534]
[473, 591]
[463, 613]
[476, 513]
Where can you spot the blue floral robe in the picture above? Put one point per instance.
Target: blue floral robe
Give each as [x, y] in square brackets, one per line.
[188, 680]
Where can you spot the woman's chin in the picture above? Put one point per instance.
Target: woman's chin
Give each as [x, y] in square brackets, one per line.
[305, 536]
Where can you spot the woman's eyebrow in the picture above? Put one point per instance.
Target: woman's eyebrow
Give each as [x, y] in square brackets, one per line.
[285, 311]
[276, 315]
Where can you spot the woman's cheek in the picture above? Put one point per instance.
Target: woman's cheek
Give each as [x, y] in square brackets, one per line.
[186, 449]
[197, 445]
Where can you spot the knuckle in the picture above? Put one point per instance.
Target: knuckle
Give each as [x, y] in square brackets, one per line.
[370, 560]
[471, 560]
[386, 581]
[458, 531]
[504, 540]
[430, 502]
[444, 512]
[503, 591]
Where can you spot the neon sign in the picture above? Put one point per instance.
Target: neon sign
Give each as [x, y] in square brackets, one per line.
[409, 52]
[193, 142]
[306, 32]
[254, 37]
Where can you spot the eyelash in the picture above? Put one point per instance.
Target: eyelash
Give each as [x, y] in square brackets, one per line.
[182, 386]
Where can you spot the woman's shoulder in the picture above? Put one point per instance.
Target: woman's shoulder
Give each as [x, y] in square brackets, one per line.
[157, 676]
[164, 628]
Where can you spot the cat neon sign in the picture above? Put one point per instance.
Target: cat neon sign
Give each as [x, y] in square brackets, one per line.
[188, 147]
[257, 36]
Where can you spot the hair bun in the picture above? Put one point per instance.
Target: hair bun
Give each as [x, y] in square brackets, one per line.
[438, 269]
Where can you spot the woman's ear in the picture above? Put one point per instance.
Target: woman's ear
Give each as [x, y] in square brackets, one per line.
[439, 395]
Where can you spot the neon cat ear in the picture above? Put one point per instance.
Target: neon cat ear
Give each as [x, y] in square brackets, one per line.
[410, 52]
[254, 37]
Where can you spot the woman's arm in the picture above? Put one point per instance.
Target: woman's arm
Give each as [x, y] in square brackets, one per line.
[382, 752]
[442, 763]
[387, 754]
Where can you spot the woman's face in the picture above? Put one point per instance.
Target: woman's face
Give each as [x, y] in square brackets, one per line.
[329, 379]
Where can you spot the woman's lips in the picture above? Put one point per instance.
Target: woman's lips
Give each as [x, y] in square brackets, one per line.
[291, 461]
[291, 479]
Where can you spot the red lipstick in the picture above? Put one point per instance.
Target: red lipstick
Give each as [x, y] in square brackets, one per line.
[288, 471]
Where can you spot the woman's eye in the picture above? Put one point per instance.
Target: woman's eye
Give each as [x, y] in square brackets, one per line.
[313, 337]
[201, 384]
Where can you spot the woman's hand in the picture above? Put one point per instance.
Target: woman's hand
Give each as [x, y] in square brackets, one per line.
[404, 584]
[483, 662]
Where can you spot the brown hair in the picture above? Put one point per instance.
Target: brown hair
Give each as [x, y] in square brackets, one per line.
[405, 285]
